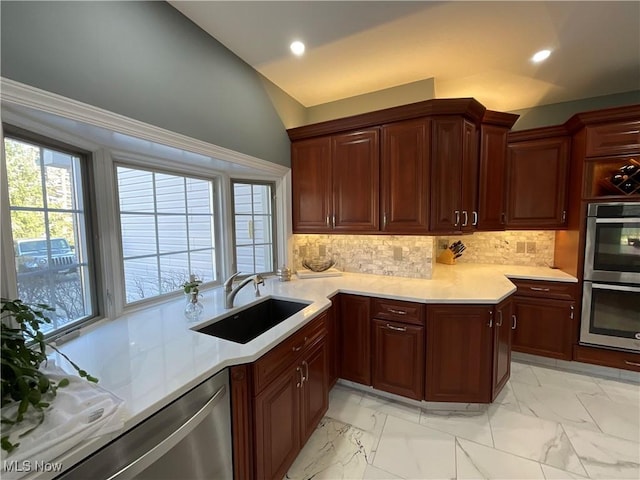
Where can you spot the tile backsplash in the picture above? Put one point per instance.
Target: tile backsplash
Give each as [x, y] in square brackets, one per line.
[413, 256]
[513, 247]
[397, 255]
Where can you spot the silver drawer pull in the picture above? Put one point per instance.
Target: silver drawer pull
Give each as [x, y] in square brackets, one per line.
[514, 322]
[633, 364]
[298, 348]
[540, 289]
[397, 329]
[397, 312]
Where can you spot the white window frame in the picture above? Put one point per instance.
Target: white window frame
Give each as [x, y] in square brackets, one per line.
[110, 136]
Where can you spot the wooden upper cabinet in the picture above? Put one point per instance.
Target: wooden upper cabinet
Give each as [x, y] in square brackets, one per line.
[355, 179]
[454, 170]
[404, 178]
[311, 185]
[537, 175]
[613, 138]
[492, 177]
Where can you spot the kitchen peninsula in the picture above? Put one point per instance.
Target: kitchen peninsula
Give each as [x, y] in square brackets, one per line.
[153, 356]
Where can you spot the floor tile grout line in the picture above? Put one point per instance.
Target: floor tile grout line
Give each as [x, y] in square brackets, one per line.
[575, 451]
[595, 422]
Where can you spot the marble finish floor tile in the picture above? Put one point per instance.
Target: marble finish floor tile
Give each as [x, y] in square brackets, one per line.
[373, 473]
[411, 450]
[553, 473]
[551, 403]
[620, 391]
[619, 419]
[507, 399]
[472, 426]
[575, 382]
[391, 407]
[334, 450]
[478, 461]
[535, 438]
[523, 373]
[605, 456]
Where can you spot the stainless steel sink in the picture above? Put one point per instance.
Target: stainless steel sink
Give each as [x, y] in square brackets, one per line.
[245, 325]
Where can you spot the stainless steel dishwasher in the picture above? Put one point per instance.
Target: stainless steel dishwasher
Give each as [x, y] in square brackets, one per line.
[188, 439]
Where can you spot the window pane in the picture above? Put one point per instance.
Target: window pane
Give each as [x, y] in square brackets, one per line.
[172, 233]
[170, 193]
[253, 225]
[179, 221]
[49, 231]
[135, 190]
[141, 278]
[23, 174]
[138, 235]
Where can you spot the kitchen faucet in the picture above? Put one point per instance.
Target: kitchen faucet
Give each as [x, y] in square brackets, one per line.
[230, 292]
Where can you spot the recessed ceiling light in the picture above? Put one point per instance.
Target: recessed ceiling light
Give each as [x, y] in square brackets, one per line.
[541, 56]
[297, 48]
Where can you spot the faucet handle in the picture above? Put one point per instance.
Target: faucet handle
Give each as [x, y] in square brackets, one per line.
[259, 279]
[228, 283]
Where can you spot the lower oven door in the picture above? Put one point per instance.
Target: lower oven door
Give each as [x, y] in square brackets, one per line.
[611, 315]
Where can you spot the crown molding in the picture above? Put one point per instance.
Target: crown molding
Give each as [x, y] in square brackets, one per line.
[19, 94]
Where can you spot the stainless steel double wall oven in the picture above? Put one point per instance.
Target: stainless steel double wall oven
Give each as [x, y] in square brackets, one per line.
[611, 289]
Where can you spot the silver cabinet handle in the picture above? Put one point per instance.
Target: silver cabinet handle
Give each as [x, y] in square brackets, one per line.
[466, 218]
[299, 347]
[540, 289]
[397, 329]
[384, 220]
[475, 219]
[397, 312]
[305, 376]
[328, 225]
[571, 309]
[490, 324]
[515, 322]
[299, 384]
[633, 364]
[499, 324]
[142, 462]
[333, 221]
[457, 212]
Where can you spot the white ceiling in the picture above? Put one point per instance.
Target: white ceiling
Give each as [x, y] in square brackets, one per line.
[472, 49]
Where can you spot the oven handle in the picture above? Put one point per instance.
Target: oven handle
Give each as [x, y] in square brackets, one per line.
[618, 220]
[621, 288]
[172, 440]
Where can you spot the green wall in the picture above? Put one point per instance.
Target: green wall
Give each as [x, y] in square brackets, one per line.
[146, 61]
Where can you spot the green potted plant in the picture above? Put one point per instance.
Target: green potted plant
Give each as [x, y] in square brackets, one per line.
[194, 308]
[23, 352]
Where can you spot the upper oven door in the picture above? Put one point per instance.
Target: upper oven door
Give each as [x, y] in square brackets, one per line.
[613, 245]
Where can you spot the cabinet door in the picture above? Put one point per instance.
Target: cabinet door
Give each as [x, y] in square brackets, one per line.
[543, 327]
[502, 346]
[459, 353]
[311, 185]
[277, 425]
[356, 176]
[492, 177]
[446, 172]
[537, 183]
[398, 353]
[315, 391]
[404, 178]
[332, 340]
[469, 173]
[355, 339]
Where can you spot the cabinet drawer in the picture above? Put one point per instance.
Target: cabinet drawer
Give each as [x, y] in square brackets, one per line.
[540, 288]
[613, 138]
[398, 311]
[273, 363]
[607, 358]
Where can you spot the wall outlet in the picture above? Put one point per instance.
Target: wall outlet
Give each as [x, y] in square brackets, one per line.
[443, 243]
[303, 251]
[397, 253]
[521, 247]
[531, 247]
[322, 251]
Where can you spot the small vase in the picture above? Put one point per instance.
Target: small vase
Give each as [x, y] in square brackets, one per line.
[194, 308]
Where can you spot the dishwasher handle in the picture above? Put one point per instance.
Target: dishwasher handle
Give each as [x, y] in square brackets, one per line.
[148, 458]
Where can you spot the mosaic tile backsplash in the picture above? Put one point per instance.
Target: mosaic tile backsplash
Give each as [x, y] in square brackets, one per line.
[514, 247]
[397, 255]
[413, 256]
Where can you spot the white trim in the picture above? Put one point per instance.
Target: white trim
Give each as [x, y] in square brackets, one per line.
[17, 93]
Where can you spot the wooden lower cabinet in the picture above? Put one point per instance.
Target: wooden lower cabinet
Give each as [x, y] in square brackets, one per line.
[314, 391]
[333, 342]
[398, 358]
[459, 353]
[543, 326]
[501, 347]
[355, 338]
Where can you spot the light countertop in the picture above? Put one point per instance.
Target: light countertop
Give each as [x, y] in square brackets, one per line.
[152, 356]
